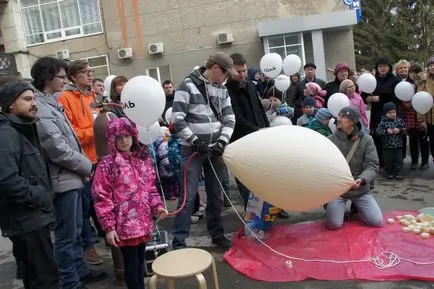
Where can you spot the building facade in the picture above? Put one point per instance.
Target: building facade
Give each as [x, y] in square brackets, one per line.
[165, 39]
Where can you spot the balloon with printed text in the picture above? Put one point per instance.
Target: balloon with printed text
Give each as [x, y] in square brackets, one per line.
[282, 82]
[271, 64]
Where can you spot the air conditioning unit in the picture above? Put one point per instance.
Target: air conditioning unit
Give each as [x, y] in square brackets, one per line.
[224, 38]
[156, 48]
[124, 53]
[63, 54]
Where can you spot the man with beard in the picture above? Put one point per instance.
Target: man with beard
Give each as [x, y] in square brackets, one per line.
[248, 110]
[26, 200]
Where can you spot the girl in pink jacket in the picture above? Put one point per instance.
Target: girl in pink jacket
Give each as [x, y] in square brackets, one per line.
[125, 198]
[348, 88]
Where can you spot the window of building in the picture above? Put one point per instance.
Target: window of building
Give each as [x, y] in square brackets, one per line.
[285, 44]
[160, 74]
[99, 65]
[54, 20]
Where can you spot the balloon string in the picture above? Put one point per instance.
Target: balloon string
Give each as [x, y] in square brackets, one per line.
[383, 261]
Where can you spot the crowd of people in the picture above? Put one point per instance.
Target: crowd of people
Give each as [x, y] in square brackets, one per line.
[72, 164]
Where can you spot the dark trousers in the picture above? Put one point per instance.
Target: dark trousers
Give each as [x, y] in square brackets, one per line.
[134, 266]
[430, 128]
[379, 147]
[418, 142]
[86, 232]
[392, 160]
[35, 252]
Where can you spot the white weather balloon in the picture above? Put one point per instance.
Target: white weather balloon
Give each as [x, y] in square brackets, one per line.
[308, 171]
[291, 64]
[404, 91]
[336, 102]
[282, 82]
[271, 64]
[367, 82]
[422, 102]
[143, 99]
[148, 135]
[280, 120]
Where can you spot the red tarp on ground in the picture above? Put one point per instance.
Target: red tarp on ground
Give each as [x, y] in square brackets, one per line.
[353, 242]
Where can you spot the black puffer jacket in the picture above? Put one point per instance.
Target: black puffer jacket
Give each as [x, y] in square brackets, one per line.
[26, 200]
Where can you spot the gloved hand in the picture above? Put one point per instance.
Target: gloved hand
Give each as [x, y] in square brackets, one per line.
[219, 148]
[200, 146]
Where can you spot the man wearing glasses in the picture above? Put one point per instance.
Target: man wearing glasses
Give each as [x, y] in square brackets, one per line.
[202, 117]
[78, 100]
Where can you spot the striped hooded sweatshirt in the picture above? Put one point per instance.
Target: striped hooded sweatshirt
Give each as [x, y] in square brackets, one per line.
[192, 113]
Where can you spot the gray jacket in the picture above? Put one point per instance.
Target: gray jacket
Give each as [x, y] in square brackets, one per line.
[364, 164]
[68, 164]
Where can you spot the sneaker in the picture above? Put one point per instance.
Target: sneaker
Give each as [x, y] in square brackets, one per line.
[398, 177]
[94, 276]
[198, 214]
[92, 257]
[414, 166]
[283, 215]
[423, 167]
[390, 177]
[222, 242]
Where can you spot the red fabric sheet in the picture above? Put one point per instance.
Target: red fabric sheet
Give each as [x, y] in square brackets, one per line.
[353, 242]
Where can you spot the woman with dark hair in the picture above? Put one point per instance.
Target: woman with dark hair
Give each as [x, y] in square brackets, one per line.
[115, 105]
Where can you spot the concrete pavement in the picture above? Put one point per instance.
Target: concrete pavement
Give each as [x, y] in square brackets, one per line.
[412, 193]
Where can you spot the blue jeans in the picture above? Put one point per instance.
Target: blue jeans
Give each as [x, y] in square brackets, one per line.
[366, 205]
[87, 235]
[68, 249]
[182, 222]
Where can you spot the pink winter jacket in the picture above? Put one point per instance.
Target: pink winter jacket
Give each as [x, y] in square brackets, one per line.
[124, 189]
[356, 101]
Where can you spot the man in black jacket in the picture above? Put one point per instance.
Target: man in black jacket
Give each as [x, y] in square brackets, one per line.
[26, 200]
[248, 110]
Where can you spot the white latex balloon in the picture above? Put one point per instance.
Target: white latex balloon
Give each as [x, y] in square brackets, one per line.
[271, 64]
[148, 135]
[282, 82]
[280, 120]
[404, 91]
[291, 64]
[422, 102]
[143, 99]
[107, 84]
[367, 82]
[336, 102]
[168, 115]
[332, 125]
[308, 171]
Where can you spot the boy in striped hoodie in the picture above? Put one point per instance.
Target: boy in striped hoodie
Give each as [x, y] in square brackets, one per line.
[202, 117]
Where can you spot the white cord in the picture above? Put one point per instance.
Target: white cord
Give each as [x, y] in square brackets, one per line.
[154, 160]
[383, 261]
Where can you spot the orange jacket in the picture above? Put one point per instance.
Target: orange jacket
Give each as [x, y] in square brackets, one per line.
[80, 114]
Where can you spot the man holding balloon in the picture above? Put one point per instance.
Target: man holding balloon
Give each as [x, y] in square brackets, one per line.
[202, 116]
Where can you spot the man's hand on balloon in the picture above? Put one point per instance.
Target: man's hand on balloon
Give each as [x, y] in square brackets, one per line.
[357, 184]
[200, 146]
[219, 148]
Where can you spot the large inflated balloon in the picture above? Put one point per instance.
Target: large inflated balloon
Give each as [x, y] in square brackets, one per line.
[168, 115]
[404, 91]
[107, 85]
[336, 102]
[306, 171]
[282, 82]
[271, 64]
[148, 135]
[280, 120]
[367, 82]
[143, 99]
[422, 102]
[291, 64]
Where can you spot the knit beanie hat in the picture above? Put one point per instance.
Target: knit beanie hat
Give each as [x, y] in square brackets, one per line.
[10, 91]
[430, 61]
[309, 101]
[383, 60]
[345, 84]
[351, 113]
[340, 66]
[314, 89]
[388, 107]
[322, 114]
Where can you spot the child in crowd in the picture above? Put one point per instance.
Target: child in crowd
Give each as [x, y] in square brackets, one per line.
[276, 107]
[125, 198]
[307, 118]
[317, 93]
[391, 129]
[348, 88]
[321, 122]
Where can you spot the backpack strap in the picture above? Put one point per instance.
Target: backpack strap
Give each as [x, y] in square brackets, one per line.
[352, 150]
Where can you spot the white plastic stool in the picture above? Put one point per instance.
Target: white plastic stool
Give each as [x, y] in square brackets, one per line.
[181, 264]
